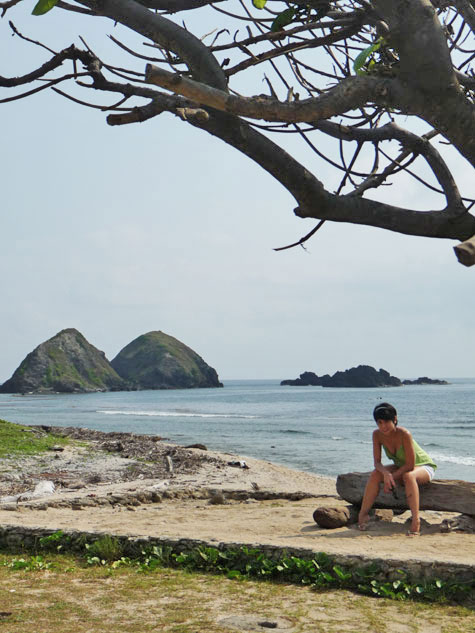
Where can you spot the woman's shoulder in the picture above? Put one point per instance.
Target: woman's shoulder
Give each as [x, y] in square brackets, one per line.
[404, 433]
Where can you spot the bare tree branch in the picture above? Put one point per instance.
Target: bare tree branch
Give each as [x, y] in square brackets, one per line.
[376, 61]
[4, 6]
[348, 95]
[414, 143]
[55, 62]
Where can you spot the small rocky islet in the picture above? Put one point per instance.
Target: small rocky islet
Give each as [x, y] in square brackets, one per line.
[68, 363]
[363, 376]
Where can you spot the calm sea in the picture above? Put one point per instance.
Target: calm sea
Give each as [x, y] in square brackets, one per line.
[320, 430]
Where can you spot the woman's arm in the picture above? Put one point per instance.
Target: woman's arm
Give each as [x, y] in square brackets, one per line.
[377, 453]
[389, 482]
[410, 462]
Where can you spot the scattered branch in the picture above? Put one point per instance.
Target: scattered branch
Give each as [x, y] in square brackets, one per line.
[302, 240]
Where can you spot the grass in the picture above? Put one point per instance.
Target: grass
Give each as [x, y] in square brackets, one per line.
[243, 563]
[66, 596]
[16, 440]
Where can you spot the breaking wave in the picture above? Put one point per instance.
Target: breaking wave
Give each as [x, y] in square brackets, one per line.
[177, 414]
[454, 459]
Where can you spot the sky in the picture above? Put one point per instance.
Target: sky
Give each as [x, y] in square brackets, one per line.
[118, 231]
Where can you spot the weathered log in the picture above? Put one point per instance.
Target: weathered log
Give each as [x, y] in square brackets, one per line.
[441, 494]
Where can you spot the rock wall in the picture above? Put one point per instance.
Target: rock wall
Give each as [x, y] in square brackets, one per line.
[22, 539]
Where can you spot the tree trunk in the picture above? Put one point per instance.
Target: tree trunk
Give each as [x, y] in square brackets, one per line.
[440, 494]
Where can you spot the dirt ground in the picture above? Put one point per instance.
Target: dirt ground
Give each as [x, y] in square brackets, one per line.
[91, 470]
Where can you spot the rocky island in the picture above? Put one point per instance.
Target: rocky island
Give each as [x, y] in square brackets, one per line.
[65, 363]
[68, 363]
[423, 380]
[159, 361]
[361, 376]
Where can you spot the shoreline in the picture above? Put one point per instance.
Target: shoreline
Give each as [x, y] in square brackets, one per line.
[103, 485]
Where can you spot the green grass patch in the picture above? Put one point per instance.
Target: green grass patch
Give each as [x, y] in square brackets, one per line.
[243, 563]
[16, 439]
[53, 593]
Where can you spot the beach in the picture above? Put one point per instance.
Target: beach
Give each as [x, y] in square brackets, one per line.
[125, 484]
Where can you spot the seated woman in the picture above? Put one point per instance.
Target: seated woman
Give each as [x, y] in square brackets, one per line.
[412, 466]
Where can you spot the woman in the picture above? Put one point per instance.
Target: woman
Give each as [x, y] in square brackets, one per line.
[412, 466]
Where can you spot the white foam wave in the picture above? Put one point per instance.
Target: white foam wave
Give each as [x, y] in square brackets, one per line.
[336, 437]
[176, 414]
[454, 459]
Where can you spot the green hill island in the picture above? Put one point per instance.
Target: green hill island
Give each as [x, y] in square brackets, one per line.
[159, 361]
[68, 363]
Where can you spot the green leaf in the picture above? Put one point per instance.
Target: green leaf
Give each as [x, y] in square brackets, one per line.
[341, 574]
[259, 4]
[360, 60]
[43, 6]
[283, 19]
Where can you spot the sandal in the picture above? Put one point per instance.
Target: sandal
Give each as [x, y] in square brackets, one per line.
[411, 533]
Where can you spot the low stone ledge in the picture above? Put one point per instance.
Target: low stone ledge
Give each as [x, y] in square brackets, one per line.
[136, 498]
[15, 539]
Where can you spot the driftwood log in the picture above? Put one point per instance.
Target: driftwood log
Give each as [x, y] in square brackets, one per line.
[440, 494]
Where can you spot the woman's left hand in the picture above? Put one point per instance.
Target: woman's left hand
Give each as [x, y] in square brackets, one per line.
[389, 482]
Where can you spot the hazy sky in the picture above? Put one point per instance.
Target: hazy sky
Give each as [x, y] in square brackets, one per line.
[120, 231]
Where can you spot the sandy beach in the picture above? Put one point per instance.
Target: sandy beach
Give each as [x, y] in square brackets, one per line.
[185, 480]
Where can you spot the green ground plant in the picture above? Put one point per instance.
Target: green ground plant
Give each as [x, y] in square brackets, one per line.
[16, 439]
[245, 563]
[54, 593]
[106, 549]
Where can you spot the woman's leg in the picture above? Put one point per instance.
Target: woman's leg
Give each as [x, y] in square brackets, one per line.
[412, 480]
[370, 494]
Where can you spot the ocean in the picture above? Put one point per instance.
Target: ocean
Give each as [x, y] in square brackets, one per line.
[320, 430]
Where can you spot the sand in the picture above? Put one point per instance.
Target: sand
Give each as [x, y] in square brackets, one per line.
[282, 522]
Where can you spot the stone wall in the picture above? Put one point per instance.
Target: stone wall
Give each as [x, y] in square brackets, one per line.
[17, 539]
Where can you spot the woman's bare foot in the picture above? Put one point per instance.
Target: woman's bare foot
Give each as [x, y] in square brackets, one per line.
[363, 521]
[415, 528]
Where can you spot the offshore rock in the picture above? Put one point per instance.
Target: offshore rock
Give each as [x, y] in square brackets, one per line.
[361, 376]
[423, 380]
[159, 361]
[66, 363]
[439, 494]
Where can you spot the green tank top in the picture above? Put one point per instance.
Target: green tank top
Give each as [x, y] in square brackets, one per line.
[399, 458]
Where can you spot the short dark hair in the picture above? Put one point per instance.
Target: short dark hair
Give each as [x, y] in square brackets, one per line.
[384, 411]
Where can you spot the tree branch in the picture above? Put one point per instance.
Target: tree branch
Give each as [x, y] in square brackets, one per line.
[165, 33]
[137, 115]
[315, 202]
[348, 95]
[467, 11]
[4, 6]
[293, 47]
[411, 141]
[465, 252]
[174, 6]
[68, 53]
[419, 38]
